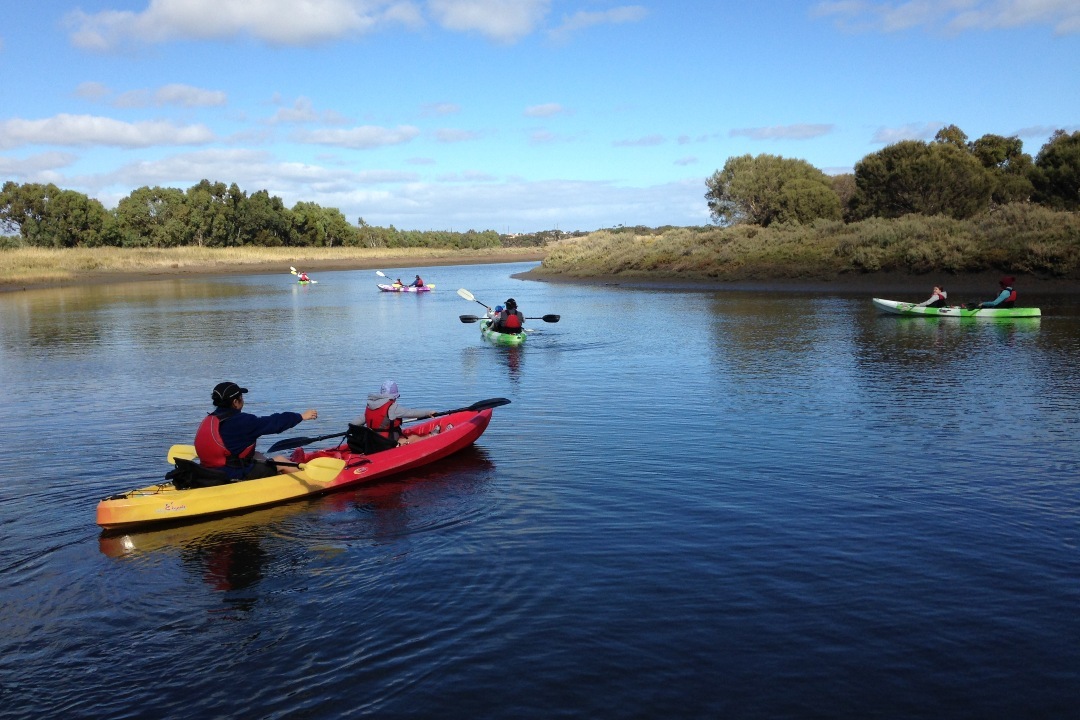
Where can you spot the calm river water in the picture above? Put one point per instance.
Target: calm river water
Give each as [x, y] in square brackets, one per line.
[698, 505]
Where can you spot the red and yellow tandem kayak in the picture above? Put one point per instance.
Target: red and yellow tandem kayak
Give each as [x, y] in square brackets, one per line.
[321, 471]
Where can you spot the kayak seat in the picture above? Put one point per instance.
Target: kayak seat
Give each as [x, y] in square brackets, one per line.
[190, 474]
[362, 439]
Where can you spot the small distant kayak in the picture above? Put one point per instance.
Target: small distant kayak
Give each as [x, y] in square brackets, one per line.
[894, 307]
[500, 338]
[406, 288]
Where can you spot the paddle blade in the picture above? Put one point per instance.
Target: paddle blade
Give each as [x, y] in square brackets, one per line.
[292, 269]
[323, 469]
[468, 318]
[466, 294]
[488, 404]
[379, 273]
[551, 318]
[184, 452]
[289, 444]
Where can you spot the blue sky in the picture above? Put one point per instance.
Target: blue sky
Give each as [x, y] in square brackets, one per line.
[512, 115]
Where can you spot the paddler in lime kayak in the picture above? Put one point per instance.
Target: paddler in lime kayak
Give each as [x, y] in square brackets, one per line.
[225, 440]
[1006, 298]
[509, 320]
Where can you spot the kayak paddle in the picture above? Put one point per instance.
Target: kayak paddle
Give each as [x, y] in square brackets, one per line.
[545, 318]
[290, 443]
[469, 296]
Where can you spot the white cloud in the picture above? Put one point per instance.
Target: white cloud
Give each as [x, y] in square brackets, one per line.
[35, 167]
[363, 137]
[303, 111]
[952, 15]
[545, 110]
[87, 130]
[175, 94]
[440, 109]
[688, 160]
[647, 141]
[92, 90]
[585, 19]
[453, 135]
[188, 96]
[802, 131]
[503, 20]
[911, 131]
[278, 22]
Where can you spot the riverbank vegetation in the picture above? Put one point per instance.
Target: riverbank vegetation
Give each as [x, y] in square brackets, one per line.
[947, 207]
[1016, 238]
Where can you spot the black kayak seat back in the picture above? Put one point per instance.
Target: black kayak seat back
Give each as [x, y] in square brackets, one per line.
[362, 439]
[190, 474]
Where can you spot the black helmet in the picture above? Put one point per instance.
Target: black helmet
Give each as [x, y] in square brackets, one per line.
[511, 304]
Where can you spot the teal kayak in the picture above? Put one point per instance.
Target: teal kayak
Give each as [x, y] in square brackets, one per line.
[894, 307]
[500, 338]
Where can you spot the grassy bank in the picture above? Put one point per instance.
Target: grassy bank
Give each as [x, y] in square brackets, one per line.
[1017, 239]
[30, 267]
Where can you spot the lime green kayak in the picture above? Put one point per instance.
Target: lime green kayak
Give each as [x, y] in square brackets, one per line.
[894, 307]
[500, 338]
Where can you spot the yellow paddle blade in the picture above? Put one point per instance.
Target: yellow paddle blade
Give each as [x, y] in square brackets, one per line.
[184, 452]
[324, 469]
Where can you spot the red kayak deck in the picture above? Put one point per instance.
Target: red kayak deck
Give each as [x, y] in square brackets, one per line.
[455, 432]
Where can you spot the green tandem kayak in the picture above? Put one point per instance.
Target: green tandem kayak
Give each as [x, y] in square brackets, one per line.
[894, 307]
[500, 338]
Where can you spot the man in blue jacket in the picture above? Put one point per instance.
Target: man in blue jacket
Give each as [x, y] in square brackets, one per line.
[226, 437]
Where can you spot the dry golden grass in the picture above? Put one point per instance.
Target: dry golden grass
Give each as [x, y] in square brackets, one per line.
[44, 266]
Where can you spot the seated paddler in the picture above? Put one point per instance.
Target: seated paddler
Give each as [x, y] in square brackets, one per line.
[384, 415]
[225, 440]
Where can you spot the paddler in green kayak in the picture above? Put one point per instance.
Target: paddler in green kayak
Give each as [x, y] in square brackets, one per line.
[1006, 298]
[510, 320]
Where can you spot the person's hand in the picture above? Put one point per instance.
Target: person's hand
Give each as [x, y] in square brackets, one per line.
[310, 414]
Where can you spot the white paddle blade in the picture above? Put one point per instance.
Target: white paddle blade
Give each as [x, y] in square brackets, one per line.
[466, 294]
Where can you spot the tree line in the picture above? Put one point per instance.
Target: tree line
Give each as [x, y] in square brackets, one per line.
[208, 214]
[949, 176]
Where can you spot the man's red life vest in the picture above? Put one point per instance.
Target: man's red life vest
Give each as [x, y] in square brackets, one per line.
[379, 420]
[211, 448]
[512, 321]
[1008, 302]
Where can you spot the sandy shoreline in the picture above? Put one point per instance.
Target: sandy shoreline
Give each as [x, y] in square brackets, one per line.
[312, 266]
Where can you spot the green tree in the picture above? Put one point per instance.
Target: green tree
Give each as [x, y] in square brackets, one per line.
[47, 216]
[766, 189]
[264, 220]
[153, 217]
[952, 135]
[1056, 174]
[1009, 167]
[209, 214]
[912, 176]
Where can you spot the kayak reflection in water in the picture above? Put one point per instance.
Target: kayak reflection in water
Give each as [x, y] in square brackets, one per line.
[383, 415]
